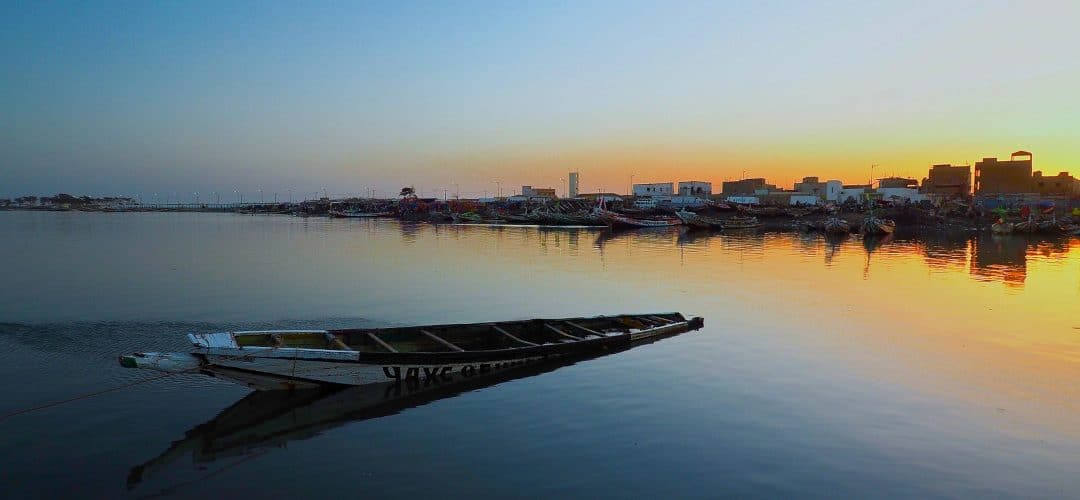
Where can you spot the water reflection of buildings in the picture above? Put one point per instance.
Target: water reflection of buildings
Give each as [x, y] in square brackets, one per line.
[1000, 258]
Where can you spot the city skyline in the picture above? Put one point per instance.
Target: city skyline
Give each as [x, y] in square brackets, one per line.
[128, 99]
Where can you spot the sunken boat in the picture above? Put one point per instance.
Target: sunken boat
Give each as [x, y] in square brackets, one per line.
[293, 359]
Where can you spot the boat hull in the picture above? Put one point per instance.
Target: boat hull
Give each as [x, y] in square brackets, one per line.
[286, 368]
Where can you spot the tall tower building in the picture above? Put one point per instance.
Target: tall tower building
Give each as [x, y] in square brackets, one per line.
[573, 184]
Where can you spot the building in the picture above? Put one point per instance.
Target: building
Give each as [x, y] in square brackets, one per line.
[1004, 177]
[853, 192]
[695, 188]
[654, 189]
[898, 182]
[901, 195]
[531, 192]
[679, 202]
[607, 197]
[574, 179]
[1061, 184]
[828, 190]
[746, 187]
[949, 180]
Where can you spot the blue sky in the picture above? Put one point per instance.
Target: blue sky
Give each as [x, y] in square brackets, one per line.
[142, 97]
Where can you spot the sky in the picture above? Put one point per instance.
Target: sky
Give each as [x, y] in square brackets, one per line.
[223, 98]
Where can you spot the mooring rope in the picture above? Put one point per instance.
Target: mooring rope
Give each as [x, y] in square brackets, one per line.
[87, 395]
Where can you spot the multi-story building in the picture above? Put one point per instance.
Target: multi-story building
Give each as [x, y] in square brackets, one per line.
[1061, 184]
[1004, 177]
[574, 179]
[828, 190]
[531, 192]
[654, 189]
[950, 180]
[746, 187]
[898, 182]
[695, 188]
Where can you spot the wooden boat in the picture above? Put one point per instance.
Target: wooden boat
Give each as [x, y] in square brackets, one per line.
[279, 359]
[1052, 227]
[467, 218]
[1001, 227]
[264, 421]
[616, 219]
[356, 214]
[873, 225]
[836, 225]
[741, 223]
[1028, 226]
[699, 221]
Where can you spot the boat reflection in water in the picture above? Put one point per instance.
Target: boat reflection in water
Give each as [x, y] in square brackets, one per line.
[265, 420]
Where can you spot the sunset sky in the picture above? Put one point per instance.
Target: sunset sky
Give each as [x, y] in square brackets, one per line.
[181, 97]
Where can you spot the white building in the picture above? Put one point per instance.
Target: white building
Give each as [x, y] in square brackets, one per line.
[654, 189]
[853, 194]
[573, 185]
[683, 201]
[805, 199]
[901, 195]
[695, 188]
[832, 190]
[744, 200]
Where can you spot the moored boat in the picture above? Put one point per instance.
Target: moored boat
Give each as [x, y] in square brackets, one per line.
[836, 225]
[1027, 226]
[699, 221]
[742, 223]
[1001, 227]
[616, 219]
[873, 225]
[277, 359]
[356, 214]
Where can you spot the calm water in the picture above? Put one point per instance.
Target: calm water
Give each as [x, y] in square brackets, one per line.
[921, 367]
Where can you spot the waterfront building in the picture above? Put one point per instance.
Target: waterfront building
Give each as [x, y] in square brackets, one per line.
[901, 194]
[695, 188]
[898, 182]
[606, 197]
[1004, 177]
[654, 189]
[949, 180]
[531, 192]
[853, 192]
[746, 187]
[1061, 184]
[828, 190]
[574, 180]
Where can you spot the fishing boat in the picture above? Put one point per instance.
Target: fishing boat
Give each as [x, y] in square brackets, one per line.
[265, 421]
[1052, 226]
[357, 214]
[741, 223]
[699, 221]
[1027, 226]
[291, 359]
[616, 219]
[836, 225]
[1001, 227]
[467, 218]
[873, 225]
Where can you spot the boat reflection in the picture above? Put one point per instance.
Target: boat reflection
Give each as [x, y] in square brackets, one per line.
[266, 420]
